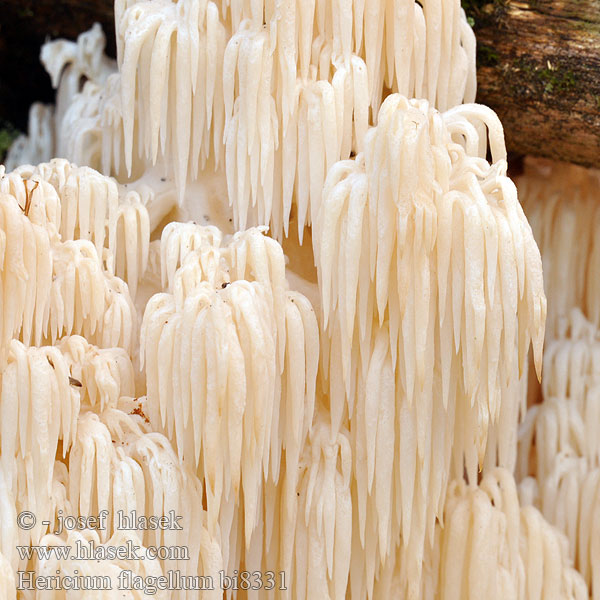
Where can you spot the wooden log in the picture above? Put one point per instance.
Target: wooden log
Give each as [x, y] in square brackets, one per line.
[539, 69]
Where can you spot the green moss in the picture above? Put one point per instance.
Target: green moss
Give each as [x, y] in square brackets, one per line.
[556, 79]
[556, 82]
[474, 6]
[589, 27]
[481, 12]
[8, 133]
[25, 12]
[471, 8]
[487, 56]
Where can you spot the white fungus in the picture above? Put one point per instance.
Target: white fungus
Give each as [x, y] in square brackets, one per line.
[289, 294]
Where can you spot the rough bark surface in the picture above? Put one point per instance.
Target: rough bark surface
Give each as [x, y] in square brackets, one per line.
[539, 69]
[539, 65]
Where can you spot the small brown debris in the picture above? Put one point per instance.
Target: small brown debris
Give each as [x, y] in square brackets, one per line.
[75, 382]
[138, 411]
[28, 196]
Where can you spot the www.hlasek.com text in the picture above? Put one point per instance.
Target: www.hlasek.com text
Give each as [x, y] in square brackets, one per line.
[89, 550]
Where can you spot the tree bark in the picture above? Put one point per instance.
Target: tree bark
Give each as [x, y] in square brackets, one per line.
[538, 66]
[539, 69]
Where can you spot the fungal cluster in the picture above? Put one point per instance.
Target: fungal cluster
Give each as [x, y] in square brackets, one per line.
[266, 272]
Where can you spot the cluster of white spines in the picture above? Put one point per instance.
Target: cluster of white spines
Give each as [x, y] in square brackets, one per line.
[425, 262]
[561, 203]
[43, 390]
[38, 144]
[558, 464]
[323, 537]
[69, 401]
[71, 128]
[172, 100]
[327, 86]
[239, 354]
[491, 547]
[85, 205]
[277, 91]
[63, 401]
[322, 448]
